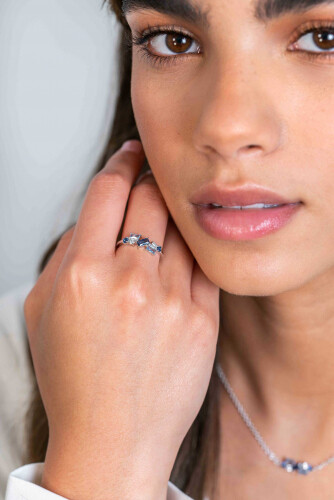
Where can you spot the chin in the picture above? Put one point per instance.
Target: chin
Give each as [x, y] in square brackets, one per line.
[254, 277]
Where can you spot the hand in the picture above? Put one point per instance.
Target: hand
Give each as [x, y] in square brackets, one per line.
[123, 342]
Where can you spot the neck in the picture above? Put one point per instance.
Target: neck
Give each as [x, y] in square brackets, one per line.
[277, 353]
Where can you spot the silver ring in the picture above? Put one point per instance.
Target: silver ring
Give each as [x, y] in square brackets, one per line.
[136, 240]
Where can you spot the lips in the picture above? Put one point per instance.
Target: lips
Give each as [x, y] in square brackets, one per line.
[245, 195]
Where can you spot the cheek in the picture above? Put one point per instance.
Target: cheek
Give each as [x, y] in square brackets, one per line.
[308, 144]
[161, 110]
[160, 116]
[311, 146]
[150, 98]
[152, 115]
[312, 127]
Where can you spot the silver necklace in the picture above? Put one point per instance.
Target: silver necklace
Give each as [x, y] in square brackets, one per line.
[302, 467]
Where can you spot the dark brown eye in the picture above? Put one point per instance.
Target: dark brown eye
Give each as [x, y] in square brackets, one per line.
[317, 41]
[178, 43]
[163, 45]
[323, 39]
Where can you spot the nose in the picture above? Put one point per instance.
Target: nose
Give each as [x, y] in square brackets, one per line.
[237, 116]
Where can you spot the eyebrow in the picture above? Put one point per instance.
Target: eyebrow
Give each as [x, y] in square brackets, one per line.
[265, 10]
[179, 8]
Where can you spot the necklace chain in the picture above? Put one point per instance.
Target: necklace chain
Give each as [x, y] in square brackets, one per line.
[302, 467]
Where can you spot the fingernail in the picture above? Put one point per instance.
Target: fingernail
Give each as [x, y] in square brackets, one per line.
[132, 145]
[144, 174]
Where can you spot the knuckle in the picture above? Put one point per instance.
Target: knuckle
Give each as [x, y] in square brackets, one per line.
[133, 291]
[64, 241]
[108, 180]
[199, 320]
[149, 191]
[78, 277]
[28, 304]
[205, 327]
[175, 305]
[31, 308]
[68, 234]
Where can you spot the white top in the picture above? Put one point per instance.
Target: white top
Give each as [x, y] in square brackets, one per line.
[23, 484]
[18, 481]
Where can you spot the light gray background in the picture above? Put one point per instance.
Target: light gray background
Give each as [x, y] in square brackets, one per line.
[58, 78]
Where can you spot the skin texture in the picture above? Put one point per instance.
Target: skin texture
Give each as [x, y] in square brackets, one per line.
[196, 118]
[123, 342]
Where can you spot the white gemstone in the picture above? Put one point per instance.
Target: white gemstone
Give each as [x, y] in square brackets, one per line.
[133, 238]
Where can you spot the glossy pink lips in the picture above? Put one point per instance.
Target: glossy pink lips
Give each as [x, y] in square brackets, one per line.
[247, 224]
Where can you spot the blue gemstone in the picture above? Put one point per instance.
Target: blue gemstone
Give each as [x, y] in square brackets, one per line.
[125, 240]
[159, 249]
[303, 467]
[143, 242]
[288, 464]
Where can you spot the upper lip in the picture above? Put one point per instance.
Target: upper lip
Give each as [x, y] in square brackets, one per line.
[242, 196]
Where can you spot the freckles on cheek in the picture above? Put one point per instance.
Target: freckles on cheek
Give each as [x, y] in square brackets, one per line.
[159, 121]
[156, 112]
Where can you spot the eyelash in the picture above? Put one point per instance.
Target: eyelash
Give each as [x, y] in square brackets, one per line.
[309, 28]
[141, 40]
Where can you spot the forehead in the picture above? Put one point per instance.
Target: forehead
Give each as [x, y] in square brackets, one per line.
[195, 12]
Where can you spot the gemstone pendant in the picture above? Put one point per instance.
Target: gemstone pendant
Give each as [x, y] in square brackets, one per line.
[291, 465]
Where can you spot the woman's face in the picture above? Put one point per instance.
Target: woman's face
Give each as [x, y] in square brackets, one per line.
[232, 81]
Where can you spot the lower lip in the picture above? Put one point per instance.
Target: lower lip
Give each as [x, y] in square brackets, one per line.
[248, 224]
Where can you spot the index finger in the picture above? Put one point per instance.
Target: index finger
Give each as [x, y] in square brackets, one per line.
[102, 212]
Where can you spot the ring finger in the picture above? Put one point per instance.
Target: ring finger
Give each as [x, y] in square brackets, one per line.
[147, 216]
